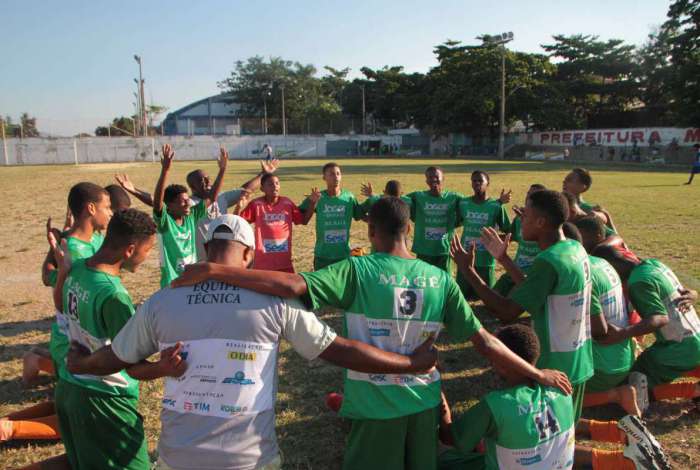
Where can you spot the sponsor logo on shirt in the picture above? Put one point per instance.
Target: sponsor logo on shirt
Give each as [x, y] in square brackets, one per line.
[403, 379]
[197, 406]
[274, 217]
[241, 356]
[434, 206]
[333, 209]
[208, 379]
[525, 461]
[435, 233]
[379, 332]
[275, 246]
[238, 379]
[400, 280]
[169, 402]
[335, 236]
[233, 409]
[377, 378]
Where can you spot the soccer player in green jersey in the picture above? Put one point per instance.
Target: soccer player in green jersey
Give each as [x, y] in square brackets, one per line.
[393, 302]
[524, 425]
[97, 306]
[335, 209]
[177, 220]
[527, 250]
[434, 213]
[392, 188]
[476, 212]
[556, 291]
[666, 308]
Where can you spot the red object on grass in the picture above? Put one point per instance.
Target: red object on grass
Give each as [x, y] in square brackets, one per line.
[334, 401]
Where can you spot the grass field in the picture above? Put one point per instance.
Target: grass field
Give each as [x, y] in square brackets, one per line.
[654, 212]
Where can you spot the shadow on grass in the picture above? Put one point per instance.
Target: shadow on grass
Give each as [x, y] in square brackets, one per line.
[15, 328]
[12, 392]
[10, 352]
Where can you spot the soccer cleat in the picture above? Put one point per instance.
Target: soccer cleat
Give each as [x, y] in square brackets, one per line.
[637, 432]
[641, 456]
[640, 384]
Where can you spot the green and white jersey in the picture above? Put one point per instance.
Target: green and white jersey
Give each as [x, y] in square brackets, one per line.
[524, 427]
[557, 293]
[653, 290]
[586, 206]
[97, 306]
[393, 304]
[474, 216]
[177, 243]
[435, 219]
[334, 216]
[77, 250]
[608, 298]
[527, 250]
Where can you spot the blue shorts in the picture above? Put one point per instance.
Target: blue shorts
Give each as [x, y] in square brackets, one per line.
[696, 168]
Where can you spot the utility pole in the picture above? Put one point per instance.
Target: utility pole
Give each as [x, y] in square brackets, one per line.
[500, 40]
[266, 94]
[364, 116]
[4, 141]
[284, 117]
[142, 100]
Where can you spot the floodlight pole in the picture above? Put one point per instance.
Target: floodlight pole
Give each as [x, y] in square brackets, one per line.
[284, 118]
[364, 116]
[142, 100]
[500, 40]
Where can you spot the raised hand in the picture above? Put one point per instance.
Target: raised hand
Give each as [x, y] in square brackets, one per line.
[243, 201]
[687, 299]
[463, 258]
[366, 189]
[51, 231]
[124, 181]
[425, 356]
[171, 363]
[315, 195]
[222, 161]
[505, 197]
[269, 167]
[518, 210]
[167, 158]
[493, 242]
[193, 274]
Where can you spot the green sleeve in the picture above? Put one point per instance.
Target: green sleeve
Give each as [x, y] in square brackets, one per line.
[645, 298]
[368, 203]
[609, 232]
[532, 294]
[199, 210]
[334, 286]
[116, 311]
[503, 220]
[161, 219]
[476, 423]
[460, 321]
[358, 211]
[305, 205]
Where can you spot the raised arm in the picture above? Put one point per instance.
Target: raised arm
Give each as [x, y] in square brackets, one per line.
[266, 167]
[128, 186]
[266, 282]
[165, 162]
[222, 162]
[498, 248]
[105, 362]
[309, 210]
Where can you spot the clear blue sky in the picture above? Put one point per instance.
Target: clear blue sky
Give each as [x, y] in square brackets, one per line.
[70, 63]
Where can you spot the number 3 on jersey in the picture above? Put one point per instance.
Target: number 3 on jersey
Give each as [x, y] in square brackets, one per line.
[408, 303]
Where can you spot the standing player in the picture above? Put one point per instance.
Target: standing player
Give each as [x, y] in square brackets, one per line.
[392, 188]
[392, 301]
[274, 217]
[177, 220]
[476, 212]
[696, 164]
[335, 209]
[434, 213]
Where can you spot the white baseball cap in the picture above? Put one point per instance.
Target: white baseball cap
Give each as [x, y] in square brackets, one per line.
[241, 231]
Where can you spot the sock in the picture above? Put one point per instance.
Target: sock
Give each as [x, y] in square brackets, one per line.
[693, 373]
[39, 410]
[606, 431]
[595, 399]
[39, 428]
[611, 459]
[675, 390]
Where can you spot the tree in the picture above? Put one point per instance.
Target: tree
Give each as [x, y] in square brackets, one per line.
[28, 125]
[120, 126]
[656, 76]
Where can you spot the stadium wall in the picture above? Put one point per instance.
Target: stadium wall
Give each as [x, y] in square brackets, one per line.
[45, 151]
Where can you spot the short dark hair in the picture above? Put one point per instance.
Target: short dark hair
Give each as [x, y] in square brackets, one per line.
[191, 175]
[433, 169]
[584, 176]
[266, 177]
[522, 340]
[82, 194]
[120, 199]
[172, 192]
[390, 216]
[393, 188]
[552, 205]
[571, 232]
[328, 166]
[481, 172]
[570, 198]
[591, 225]
[609, 253]
[537, 187]
[128, 226]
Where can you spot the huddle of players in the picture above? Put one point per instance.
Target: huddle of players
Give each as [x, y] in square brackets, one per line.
[392, 301]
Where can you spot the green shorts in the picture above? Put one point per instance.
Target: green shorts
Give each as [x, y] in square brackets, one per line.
[657, 373]
[577, 399]
[504, 285]
[99, 430]
[453, 459]
[443, 262]
[602, 382]
[408, 442]
[320, 263]
[487, 273]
